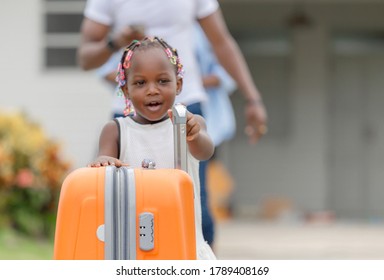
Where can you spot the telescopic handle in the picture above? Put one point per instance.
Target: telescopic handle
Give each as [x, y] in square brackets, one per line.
[179, 118]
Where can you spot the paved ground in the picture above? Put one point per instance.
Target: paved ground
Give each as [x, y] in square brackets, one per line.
[250, 240]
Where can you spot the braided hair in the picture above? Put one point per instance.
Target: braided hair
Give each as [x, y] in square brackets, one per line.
[148, 42]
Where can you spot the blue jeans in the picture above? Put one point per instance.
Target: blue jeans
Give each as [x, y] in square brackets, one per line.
[207, 221]
[117, 115]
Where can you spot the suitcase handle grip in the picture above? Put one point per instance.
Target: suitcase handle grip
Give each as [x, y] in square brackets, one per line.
[179, 119]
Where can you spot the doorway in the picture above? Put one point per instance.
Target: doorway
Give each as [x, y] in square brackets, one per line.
[356, 138]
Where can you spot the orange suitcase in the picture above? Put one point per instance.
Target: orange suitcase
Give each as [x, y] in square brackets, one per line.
[125, 213]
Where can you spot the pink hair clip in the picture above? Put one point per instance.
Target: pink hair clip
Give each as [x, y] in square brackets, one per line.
[127, 59]
[169, 53]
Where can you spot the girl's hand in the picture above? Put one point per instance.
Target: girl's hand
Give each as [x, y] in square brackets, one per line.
[199, 143]
[193, 125]
[105, 161]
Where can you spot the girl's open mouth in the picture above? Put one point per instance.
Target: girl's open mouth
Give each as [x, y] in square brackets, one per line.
[154, 105]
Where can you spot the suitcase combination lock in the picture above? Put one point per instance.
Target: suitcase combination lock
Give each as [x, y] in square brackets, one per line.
[148, 164]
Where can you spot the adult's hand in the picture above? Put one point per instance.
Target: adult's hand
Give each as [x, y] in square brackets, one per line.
[256, 121]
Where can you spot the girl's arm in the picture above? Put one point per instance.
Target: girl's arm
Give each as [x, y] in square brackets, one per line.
[199, 143]
[108, 146]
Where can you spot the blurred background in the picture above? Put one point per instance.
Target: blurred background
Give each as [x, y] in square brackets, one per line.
[311, 188]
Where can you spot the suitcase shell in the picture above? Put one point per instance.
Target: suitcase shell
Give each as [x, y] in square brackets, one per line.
[94, 222]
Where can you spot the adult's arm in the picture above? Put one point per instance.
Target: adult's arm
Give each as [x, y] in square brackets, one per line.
[94, 50]
[231, 58]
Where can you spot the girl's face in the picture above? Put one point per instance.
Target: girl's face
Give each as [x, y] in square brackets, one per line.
[152, 85]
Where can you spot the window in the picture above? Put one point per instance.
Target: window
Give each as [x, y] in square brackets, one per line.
[357, 43]
[62, 20]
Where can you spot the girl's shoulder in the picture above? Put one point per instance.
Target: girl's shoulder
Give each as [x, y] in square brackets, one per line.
[111, 127]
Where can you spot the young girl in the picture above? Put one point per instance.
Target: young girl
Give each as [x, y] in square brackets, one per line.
[150, 75]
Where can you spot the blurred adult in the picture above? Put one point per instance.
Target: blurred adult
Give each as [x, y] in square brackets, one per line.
[107, 27]
[110, 25]
[219, 116]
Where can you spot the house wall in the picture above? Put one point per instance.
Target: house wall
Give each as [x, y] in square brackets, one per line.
[302, 164]
[71, 105]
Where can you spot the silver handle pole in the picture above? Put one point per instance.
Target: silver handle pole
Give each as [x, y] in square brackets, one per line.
[179, 118]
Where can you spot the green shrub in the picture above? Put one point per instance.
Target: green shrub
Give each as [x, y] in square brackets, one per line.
[31, 173]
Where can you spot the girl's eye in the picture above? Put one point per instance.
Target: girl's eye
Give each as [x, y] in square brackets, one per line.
[139, 83]
[164, 81]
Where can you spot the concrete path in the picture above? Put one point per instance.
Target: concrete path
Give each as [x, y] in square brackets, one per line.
[250, 240]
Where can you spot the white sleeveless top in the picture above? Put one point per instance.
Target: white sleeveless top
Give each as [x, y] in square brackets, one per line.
[155, 142]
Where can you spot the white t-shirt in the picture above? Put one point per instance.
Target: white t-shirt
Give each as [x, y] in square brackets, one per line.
[172, 20]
